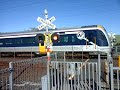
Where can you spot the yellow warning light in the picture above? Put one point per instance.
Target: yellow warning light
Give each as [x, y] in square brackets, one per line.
[55, 38]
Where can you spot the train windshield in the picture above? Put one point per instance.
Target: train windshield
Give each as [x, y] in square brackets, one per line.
[91, 36]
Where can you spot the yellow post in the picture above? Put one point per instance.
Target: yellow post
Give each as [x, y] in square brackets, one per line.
[119, 60]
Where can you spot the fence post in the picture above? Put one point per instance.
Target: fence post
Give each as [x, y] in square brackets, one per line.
[48, 75]
[99, 71]
[56, 56]
[110, 62]
[111, 77]
[64, 56]
[116, 49]
[11, 76]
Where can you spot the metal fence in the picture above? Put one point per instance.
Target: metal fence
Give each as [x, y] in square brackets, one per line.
[74, 76]
[62, 75]
[115, 77]
[4, 79]
[116, 49]
[24, 75]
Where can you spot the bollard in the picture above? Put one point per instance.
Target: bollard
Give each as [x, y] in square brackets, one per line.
[119, 61]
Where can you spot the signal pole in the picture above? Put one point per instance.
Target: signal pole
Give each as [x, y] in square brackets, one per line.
[45, 24]
[48, 53]
[48, 49]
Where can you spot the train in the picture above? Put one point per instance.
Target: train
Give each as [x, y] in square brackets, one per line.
[93, 38]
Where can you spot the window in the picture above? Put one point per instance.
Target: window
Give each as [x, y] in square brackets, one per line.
[8, 41]
[73, 39]
[29, 40]
[65, 39]
[1, 42]
[18, 41]
[95, 36]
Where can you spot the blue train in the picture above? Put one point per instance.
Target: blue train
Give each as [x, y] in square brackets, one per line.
[86, 38]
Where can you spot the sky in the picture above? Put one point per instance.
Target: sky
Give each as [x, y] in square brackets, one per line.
[21, 15]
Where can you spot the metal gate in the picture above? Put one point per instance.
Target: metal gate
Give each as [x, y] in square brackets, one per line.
[74, 76]
[115, 77]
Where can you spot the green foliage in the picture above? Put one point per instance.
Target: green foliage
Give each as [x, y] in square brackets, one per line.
[117, 40]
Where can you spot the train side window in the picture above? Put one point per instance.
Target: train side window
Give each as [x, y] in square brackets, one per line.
[1, 42]
[18, 41]
[30, 40]
[73, 39]
[90, 36]
[8, 41]
[65, 39]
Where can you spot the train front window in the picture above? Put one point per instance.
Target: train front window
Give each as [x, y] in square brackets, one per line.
[97, 37]
[102, 41]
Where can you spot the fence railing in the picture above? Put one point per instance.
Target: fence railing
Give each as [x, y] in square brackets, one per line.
[24, 75]
[63, 75]
[115, 78]
[116, 49]
[4, 79]
[74, 75]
